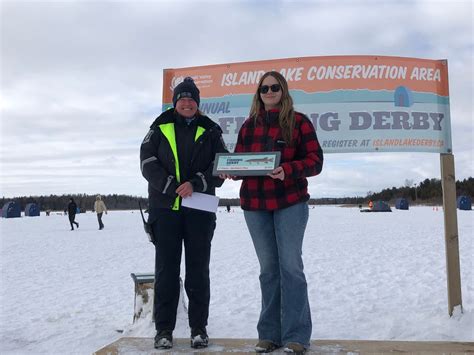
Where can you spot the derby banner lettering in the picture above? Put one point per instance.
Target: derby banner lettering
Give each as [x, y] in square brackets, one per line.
[356, 103]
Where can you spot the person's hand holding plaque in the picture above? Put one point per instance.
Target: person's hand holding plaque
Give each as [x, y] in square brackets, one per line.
[278, 173]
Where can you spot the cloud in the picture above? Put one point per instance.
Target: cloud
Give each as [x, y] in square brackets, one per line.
[81, 81]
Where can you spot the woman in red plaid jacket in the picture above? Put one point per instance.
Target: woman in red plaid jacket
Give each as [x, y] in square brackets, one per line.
[276, 212]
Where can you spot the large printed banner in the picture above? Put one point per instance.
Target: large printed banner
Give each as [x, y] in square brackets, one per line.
[356, 103]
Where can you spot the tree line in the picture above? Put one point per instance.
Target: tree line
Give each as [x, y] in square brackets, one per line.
[428, 191]
[83, 201]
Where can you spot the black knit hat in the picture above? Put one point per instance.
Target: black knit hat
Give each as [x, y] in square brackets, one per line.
[186, 89]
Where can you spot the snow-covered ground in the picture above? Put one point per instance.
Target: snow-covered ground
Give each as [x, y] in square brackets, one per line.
[370, 276]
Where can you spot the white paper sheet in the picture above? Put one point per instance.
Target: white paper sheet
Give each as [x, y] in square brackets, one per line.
[201, 201]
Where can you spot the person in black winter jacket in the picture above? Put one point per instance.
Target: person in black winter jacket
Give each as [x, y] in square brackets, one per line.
[177, 158]
[71, 212]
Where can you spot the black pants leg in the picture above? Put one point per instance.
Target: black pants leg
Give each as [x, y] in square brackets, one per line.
[196, 228]
[167, 229]
[99, 218]
[199, 230]
[72, 217]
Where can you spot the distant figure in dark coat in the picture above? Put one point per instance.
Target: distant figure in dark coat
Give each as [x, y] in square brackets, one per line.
[228, 208]
[71, 211]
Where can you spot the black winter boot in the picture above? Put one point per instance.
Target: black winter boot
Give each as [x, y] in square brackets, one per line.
[164, 339]
[199, 338]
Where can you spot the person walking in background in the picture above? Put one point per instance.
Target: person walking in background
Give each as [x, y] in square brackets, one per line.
[71, 211]
[276, 212]
[100, 208]
[177, 158]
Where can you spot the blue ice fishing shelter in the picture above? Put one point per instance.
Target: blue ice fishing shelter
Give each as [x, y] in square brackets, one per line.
[11, 209]
[401, 203]
[32, 210]
[464, 203]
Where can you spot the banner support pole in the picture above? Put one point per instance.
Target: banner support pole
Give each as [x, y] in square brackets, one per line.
[453, 270]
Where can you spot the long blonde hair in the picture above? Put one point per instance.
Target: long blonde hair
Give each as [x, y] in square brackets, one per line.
[286, 117]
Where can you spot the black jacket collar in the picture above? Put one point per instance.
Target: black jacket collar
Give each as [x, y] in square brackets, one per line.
[269, 117]
[170, 116]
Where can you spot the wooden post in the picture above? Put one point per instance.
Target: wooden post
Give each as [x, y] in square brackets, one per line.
[453, 270]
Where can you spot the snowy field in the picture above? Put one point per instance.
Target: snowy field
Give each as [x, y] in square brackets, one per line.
[375, 276]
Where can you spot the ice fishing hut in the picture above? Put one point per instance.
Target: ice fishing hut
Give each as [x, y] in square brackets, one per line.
[32, 210]
[377, 206]
[464, 203]
[401, 203]
[11, 209]
[381, 206]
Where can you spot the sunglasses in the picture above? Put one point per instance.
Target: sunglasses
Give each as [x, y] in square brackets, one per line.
[264, 88]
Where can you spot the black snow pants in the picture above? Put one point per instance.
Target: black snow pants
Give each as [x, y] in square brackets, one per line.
[172, 229]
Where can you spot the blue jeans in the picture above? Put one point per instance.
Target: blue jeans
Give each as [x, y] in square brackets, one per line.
[278, 239]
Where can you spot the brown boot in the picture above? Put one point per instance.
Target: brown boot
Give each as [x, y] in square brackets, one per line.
[295, 348]
[265, 346]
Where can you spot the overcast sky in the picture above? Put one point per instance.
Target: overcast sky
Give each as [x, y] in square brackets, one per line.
[81, 81]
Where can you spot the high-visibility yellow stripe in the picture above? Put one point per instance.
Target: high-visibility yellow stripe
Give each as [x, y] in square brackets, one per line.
[199, 132]
[168, 131]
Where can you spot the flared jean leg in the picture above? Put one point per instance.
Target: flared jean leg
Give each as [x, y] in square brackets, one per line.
[278, 239]
[290, 224]
[260, 225]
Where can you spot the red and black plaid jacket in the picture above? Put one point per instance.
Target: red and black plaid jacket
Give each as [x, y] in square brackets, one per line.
[303, 158]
